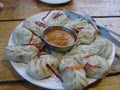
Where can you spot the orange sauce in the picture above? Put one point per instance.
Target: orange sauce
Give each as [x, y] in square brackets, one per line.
[59, 37]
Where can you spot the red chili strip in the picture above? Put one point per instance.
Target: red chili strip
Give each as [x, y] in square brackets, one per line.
[31, 39]
[41, 24]
[89, 55]
[87, 65]
[78, 29]
[49, 67]
[62, 71]
[46, 15]
[40, 50]
[94, 39]
[97, 31]
[57, 15]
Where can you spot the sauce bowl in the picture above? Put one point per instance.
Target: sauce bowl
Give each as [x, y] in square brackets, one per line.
[59, 38]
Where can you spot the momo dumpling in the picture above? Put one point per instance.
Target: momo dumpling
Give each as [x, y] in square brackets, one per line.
[34, 26]
[21, 54]
[76, 23]
[96, 66]
[102, 47]
[37, 67]
[87, 35]
[24, 36]
[73, 56]
[86, 32]
[74, 79]
[80, 51]
[65, 62]
[57, 19]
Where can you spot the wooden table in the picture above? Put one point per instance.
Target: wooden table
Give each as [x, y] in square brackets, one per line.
[106, 12]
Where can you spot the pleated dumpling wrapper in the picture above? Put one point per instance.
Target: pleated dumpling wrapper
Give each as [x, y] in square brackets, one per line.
[23, 36]
[37, 67]
[57, 19]
[22, 54]
[100, 47]
[36, 27]
[73, 79]
[86, 32]
[78, 23]
[103, 47]
[96, 66]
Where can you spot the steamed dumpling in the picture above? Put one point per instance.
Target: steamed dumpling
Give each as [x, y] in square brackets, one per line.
[21, 54]
[24, 36]
[99, 69]
[57, 19]
[76, 23]
[73, 79]
[86, 32]
[65, 62]
[102, 47]
[77, 53]
[37, 68]
[31, 25]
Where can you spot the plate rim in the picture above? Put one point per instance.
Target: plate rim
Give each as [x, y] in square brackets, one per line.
[53, 3]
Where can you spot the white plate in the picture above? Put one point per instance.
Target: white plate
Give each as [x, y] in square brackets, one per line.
[50, 83]
[55, 1]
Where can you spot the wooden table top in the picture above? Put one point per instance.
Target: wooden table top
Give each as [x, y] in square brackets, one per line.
[107, 12]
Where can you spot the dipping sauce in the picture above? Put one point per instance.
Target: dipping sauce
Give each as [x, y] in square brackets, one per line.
[59, 37]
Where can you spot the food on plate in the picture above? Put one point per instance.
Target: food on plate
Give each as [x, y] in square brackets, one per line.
[86, 32]
[37, 67]
[35, 26]
[87, 60]
[23, 36]
[97, 66]
[103, 47]
[57, 19]
[22, 54]
[73, 79]
[59, 37]
[77, 23]
[100, 47]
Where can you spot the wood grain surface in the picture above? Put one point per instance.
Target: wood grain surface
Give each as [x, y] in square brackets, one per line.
[20, 9]
[107, 12]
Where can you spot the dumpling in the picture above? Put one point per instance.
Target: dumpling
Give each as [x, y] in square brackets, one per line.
[37, 67]
[65, 62]
[103, 47]
[24, 36]
[82, 49]
[77, 53]
[22, 54]
[33, 26]
[96, 66]
[87, 35]
[100, 47]
[57, 19]
[72, 79]
[78, 23]
[86, 32]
